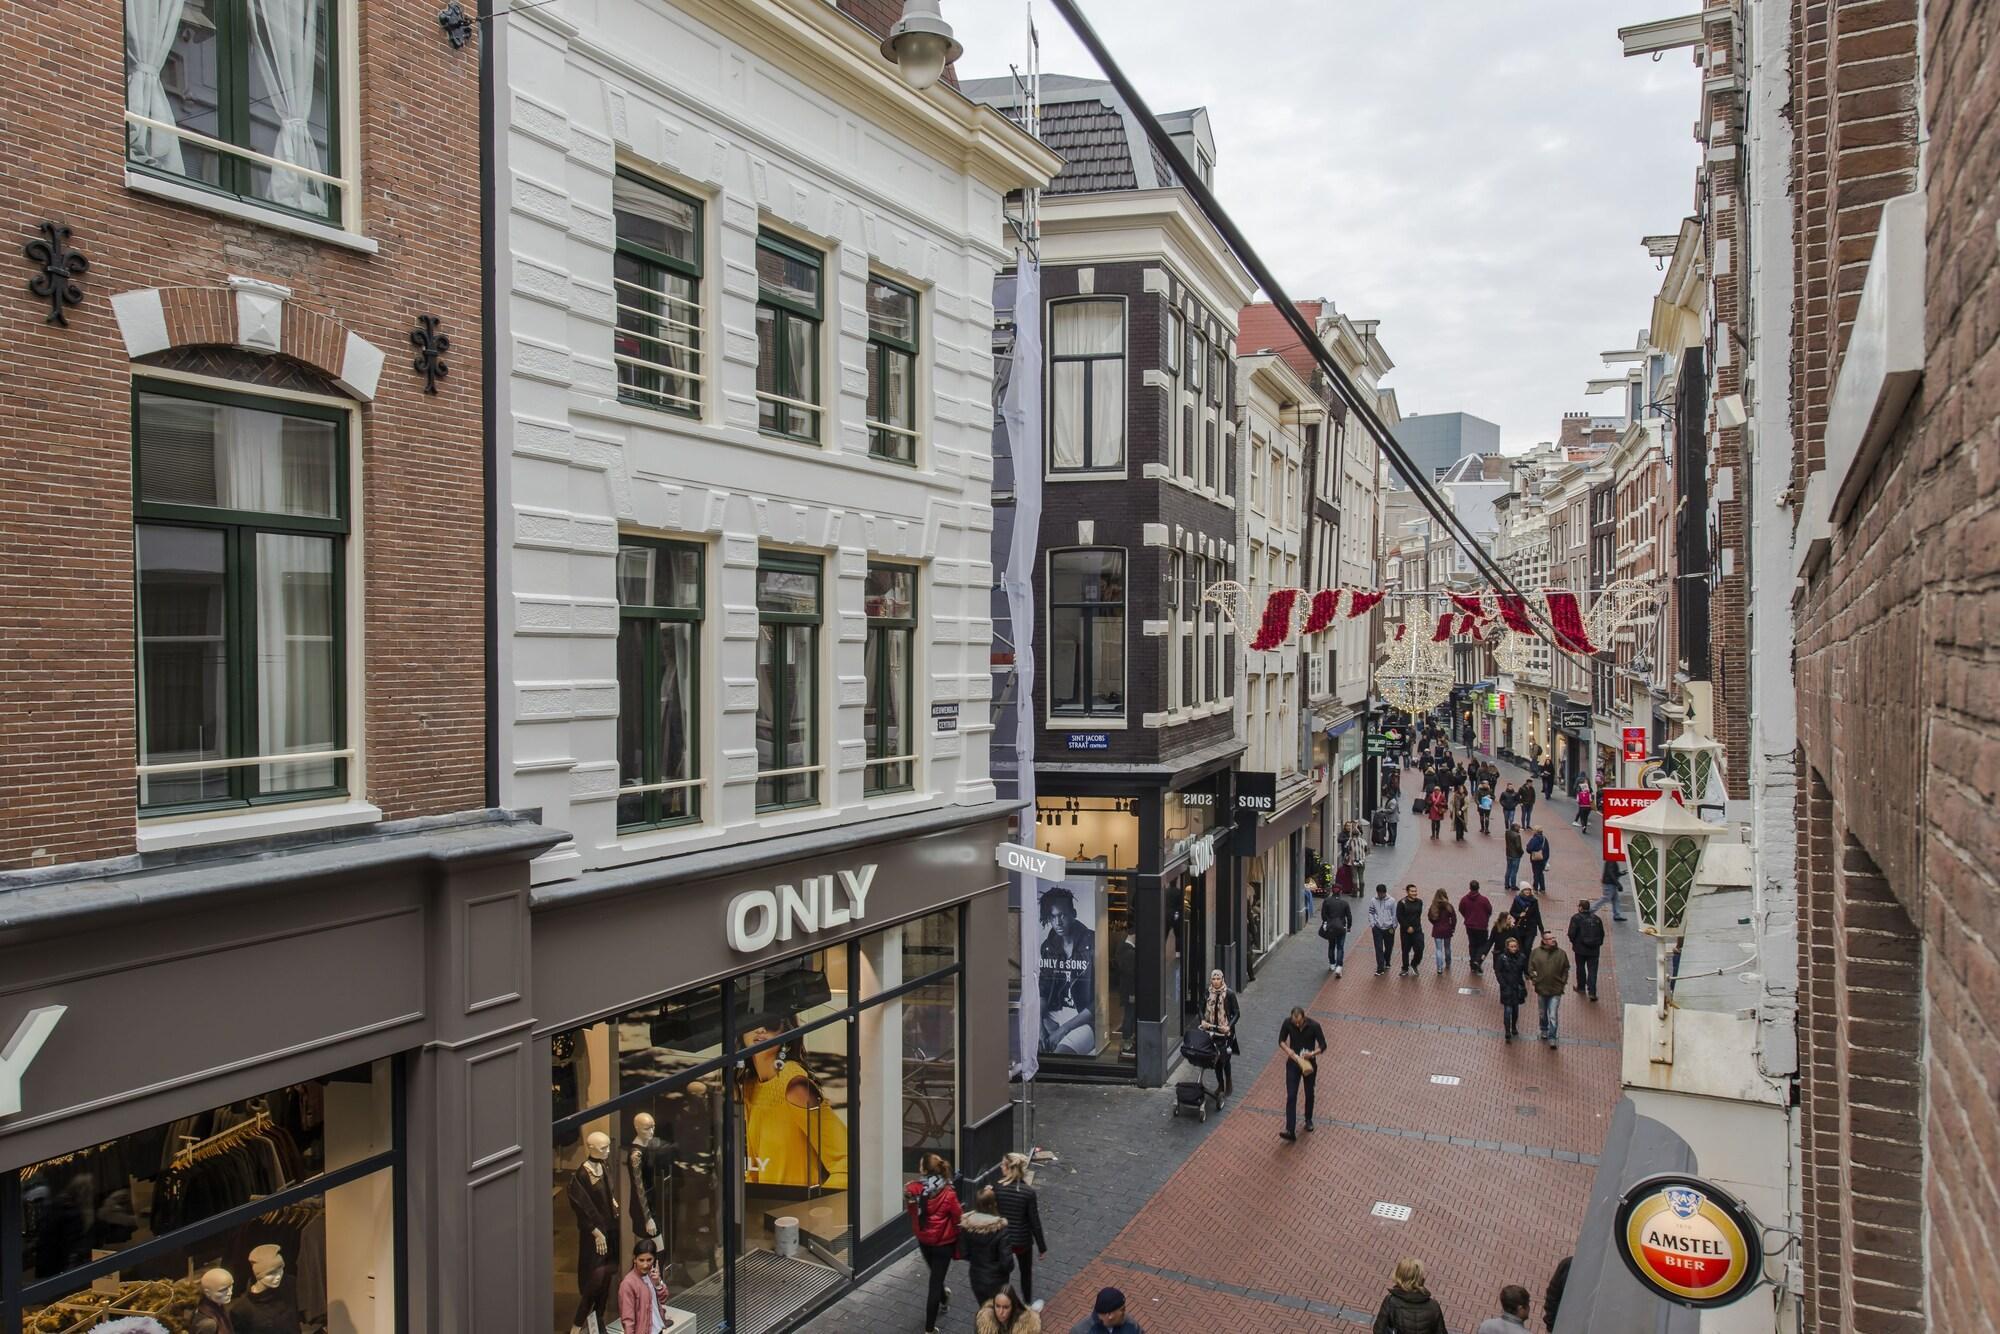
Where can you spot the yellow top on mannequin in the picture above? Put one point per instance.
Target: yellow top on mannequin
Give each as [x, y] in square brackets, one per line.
[784, 1121]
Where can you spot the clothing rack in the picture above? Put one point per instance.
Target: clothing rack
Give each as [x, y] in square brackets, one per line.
[188, 1154]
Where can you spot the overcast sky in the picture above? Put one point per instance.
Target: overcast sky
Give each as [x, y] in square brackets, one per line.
[1476, 174]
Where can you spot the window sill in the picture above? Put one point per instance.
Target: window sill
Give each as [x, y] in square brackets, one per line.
[196, 197]
[169, 833]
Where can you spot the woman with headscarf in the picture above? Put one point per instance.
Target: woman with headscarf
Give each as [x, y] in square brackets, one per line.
[1219, 1011]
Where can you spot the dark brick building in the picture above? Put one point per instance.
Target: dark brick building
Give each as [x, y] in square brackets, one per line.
[1136, 675]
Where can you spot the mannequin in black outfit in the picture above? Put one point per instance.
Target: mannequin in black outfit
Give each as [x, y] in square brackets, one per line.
[595, 1205]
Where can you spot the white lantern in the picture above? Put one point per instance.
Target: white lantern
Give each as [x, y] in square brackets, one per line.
[1663, 844]
[1695, 762]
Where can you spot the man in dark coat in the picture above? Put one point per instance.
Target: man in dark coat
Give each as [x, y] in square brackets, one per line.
[1476, 911]
[1586, 939]
[1410, 927]
[1336, 918]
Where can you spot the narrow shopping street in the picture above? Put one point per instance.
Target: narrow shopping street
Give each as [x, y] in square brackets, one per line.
[1224, 1226]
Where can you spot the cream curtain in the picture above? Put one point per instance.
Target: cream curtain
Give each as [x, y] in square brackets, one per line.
[287, 34]
[150, 29]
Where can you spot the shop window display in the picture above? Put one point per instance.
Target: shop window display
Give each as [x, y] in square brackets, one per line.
[275, 1215]
[754, 1129]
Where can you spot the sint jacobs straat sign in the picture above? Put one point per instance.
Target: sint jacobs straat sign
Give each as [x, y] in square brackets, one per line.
[1688, 1241]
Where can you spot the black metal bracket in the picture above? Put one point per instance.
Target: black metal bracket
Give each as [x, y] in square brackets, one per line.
[61, 267]
[431, 347]
[457, 24]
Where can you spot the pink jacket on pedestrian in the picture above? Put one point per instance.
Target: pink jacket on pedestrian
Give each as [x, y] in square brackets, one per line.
[634, 1296]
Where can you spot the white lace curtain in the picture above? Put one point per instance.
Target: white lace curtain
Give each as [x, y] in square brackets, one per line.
[288, 44]
[150, 28]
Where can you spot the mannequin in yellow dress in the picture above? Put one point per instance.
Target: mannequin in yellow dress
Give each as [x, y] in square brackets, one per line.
[791, 1137]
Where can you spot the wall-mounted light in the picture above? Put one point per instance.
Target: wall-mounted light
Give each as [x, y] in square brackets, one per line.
[921, 44]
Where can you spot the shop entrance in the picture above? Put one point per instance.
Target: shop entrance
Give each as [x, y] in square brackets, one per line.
[1197, 937]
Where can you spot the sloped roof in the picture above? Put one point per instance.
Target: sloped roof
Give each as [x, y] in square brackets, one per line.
[1261, 326]
[1084, 120]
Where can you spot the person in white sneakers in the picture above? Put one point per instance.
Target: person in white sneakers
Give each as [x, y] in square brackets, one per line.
[1336, 918]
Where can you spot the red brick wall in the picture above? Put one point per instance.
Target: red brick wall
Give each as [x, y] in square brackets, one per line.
[67, 735]
[1900, 706]
[1728, 605]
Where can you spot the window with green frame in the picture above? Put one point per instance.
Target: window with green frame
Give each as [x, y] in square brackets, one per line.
[660, 604]
[892, 371]
[788, 621]
[888, 724]
[240, 548]
[656, 276]
[237, 96]
[790, 305]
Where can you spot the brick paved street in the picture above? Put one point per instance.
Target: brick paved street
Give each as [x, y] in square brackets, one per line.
[1224, 1227]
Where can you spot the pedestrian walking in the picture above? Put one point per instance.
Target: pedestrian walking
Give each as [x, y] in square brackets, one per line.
[1437, 811]
[1548, 780]
[1410, 926]
[1218, 1015]
[983, 1237]
[1021, 1206]
[1444, 925]
[642, 1296]
[1548, 970]
[1409, 1308]
[1382, 925]
[1527, 795]
[1458, 806]
[1510, 970]
[934, 1212]
[1007, 1314]
[1584, 800]
[1336, 916]
[1476, 911]
[1108, 1314]
[1302, 1041]
[1514, 1307]
[1485, 808]
[1586, 939]
[1612, 881]
[1513, 844]
[1527, 911]
[1510, 801]
[1538, 858]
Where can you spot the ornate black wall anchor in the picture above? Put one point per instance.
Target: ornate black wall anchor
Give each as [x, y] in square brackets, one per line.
[431, 347]
[457, 24]
[61, 267]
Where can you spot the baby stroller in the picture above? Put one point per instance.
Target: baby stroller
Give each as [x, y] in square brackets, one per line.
[1201, 1049]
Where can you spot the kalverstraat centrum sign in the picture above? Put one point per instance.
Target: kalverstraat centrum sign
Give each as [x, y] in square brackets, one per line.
[1689, 1241]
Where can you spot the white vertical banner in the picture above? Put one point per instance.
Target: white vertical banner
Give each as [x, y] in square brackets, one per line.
[1021, 411]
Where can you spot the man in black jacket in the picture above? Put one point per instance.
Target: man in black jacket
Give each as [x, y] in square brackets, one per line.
[1586, 939]
[1336, 918]
[1410, 927]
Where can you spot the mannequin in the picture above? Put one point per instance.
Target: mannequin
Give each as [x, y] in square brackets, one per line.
[595, 1204]
[218, 1287]
[649, 1163]
[266, 1308]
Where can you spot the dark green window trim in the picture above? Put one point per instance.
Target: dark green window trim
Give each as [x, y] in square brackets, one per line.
[233, 57]
[239, 530]
[784, 708]
[879, 777]
[883, 348]
[784, 313]
[648, 388]
[654, 813]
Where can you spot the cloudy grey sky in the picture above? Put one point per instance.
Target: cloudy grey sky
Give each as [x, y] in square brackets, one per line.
[1474, 173]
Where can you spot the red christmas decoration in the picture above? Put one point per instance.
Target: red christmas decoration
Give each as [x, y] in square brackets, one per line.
[1277, 623]
[1470, 626]
[1566, 618]
[1443, 630]
[1400, 628]
[1360, 603]
[1514, 611]
[1325, 606]
[1468, 604]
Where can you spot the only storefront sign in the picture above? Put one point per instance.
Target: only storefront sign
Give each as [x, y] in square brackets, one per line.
[1689, 1242]
[1031, 861]
[817, 903]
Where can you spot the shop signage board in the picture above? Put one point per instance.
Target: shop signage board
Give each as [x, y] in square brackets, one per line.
[817, 903]
[1574, 721]
[1635, 743]
[1090, 741]
[21, 1050]
[944, 717]
[1378, 743]
[1031, 861]
[1256, 793]
[1616, 801]
[1688, 1241]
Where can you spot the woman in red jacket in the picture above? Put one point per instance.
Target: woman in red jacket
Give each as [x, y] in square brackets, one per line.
[934, 1213]
[1437, 811]
[1444, 925]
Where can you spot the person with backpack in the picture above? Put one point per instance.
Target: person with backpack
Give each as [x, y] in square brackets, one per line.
[932, 1204]
[1584, 800]
[1586, 939]
[1021, 1206]
[1444, 925]
[1336, 916]
[983, 1237]
[1409, 1308]
[1485, 809]
[1476, 911]
[1382, 925]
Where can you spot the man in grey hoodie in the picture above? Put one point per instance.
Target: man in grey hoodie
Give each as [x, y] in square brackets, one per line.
[1382, 923]
[1513, 1312]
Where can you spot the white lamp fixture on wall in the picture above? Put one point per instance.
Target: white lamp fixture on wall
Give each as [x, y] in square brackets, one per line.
[921, 44]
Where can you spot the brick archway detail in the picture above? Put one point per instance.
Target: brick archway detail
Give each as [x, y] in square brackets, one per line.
[254, 316]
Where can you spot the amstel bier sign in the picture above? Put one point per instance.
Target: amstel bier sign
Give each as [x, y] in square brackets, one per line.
[1688, 1241]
